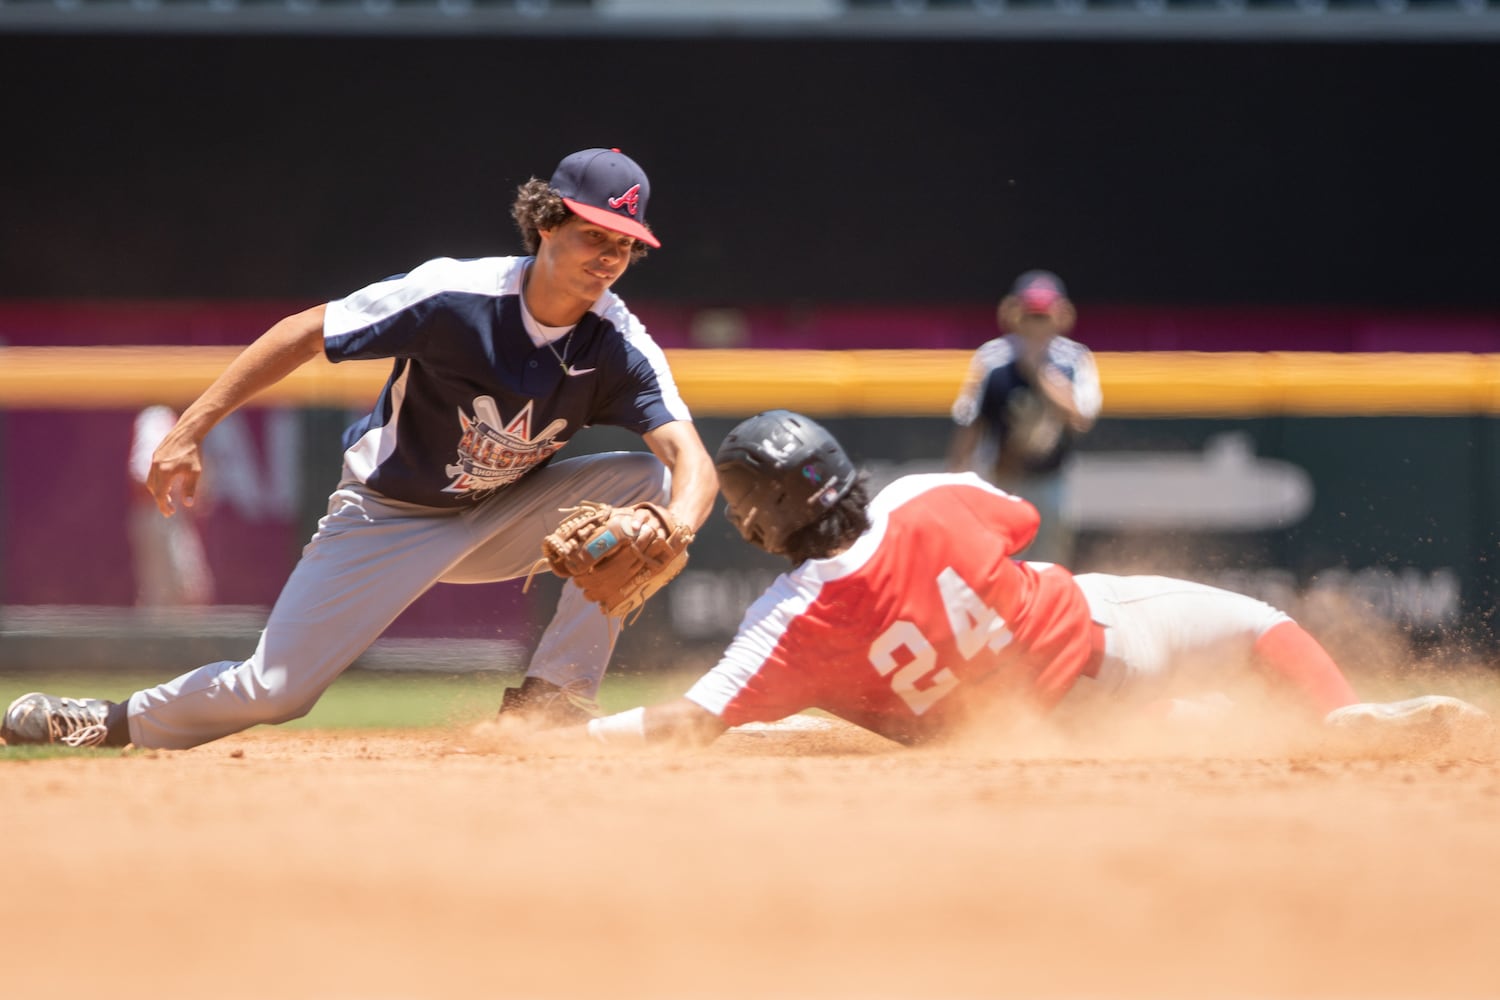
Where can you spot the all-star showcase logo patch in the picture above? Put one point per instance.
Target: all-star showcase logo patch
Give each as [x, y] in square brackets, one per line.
[493, 453]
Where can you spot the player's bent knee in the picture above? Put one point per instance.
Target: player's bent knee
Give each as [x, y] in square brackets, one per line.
[1264, 618]
[285, 710]
[275, 703]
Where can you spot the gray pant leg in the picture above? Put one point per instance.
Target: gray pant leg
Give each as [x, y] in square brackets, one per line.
[579, 640]
[368, 561]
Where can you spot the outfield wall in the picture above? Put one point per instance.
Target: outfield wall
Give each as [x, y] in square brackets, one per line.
[827, 383]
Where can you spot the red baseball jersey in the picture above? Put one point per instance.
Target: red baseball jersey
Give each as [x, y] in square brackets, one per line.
[901, 631]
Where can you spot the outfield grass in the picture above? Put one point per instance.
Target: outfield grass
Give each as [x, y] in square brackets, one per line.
[371, 699]
[360, 699]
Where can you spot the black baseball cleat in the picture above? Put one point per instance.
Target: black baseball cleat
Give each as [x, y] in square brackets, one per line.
[38, 718]
[546, 705]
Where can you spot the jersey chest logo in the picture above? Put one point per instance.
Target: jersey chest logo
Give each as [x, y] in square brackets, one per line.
[493, 453]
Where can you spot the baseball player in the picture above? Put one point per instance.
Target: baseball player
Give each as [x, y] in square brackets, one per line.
[906, 614]
[1025, 401]
[495, 364]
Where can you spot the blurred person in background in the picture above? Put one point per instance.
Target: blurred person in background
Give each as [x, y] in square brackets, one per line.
[171, 568]
[1028, 397]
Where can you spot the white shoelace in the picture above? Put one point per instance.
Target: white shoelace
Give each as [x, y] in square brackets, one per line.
[75, 727]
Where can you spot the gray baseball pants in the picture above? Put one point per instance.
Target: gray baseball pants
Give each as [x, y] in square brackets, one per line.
[369, 559]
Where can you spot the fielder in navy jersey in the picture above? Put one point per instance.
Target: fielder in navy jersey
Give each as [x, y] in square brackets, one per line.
[495, 364]
[907, 614]
[1028, 398]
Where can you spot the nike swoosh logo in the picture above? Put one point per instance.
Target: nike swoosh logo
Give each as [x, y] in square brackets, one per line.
[579, 371]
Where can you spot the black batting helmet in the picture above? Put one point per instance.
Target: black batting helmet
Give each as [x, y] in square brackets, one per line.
[780, 471]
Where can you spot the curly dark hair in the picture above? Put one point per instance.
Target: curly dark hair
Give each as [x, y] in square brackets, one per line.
[836, 530]
[539, 206]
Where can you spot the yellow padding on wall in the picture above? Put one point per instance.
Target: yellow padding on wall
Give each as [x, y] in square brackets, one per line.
[1187, 383]
[828, 383]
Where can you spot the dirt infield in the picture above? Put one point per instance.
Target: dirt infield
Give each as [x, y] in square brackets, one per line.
[823, 863]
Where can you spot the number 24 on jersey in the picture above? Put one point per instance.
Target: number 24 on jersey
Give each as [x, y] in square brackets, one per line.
[916, 676]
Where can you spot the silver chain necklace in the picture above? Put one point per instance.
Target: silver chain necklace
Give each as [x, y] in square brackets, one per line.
[561, 363]
[567, 370]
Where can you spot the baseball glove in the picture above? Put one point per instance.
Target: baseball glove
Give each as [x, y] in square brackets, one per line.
[597, 549]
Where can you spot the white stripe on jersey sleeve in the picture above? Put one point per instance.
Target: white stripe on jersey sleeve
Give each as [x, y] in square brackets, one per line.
[1087, 395]
[378, 443]
[621, 318]
[383, 299]
[898, 493]
[904, 489]
[990, 355]
[762, 628]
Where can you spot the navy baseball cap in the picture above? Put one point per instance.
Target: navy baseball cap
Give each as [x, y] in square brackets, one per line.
[1039, 290]
[607, 188]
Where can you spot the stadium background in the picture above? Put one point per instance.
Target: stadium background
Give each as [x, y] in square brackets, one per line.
[1259, 178]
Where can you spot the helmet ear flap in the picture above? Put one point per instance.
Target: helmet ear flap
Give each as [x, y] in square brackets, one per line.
[779, 472]
[744, 522]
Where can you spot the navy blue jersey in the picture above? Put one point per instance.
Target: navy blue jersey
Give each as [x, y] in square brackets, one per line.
[1032, 437]
[472, 404]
